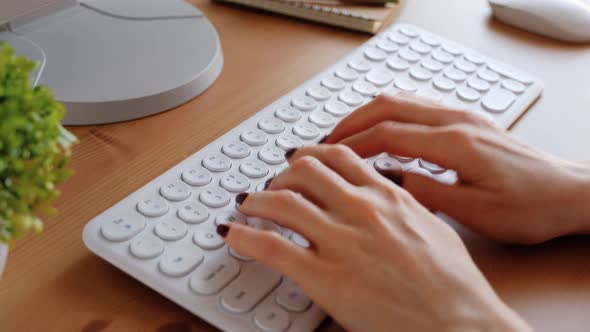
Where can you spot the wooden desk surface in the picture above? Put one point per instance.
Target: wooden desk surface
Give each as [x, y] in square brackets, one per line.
[53, 283]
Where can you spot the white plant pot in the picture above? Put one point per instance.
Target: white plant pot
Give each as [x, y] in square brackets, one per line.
[3, 257]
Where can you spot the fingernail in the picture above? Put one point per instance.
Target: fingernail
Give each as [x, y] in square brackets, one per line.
[290, 152]
[267, 183]
[222, 230]
[323, 139]
[241, 197]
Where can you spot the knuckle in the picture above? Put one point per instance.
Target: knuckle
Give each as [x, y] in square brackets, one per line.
[287, 197]
[459, 134]
[305, 164]
[340, 151]
[384, 129]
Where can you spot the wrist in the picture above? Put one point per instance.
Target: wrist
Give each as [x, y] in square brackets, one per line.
[580, 198]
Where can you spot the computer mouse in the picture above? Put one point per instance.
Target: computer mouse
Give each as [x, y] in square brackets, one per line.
[566, 20]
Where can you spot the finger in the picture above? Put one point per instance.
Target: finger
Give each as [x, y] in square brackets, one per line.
[271, 249]
[401, 108]
[314, 180]
[288, 209]
[342, 160]
[451, 147]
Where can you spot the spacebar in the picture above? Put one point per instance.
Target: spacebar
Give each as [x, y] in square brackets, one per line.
[249, 288]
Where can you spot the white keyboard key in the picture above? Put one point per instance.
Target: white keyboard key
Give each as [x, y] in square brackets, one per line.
[431, 167]
[498, 100]
[444, 84]
[465, 66]
[234, 182]
[319, 93]
[364, 88]
[254, 168]
[273, 125]
[288, 114]
[361, 65]
[488, 75]
[455, 74]
[420, 171]
[243, 258]
[236, 150]
[478, 84]
[196, 176]
[398, 38]
[152, 206]
[292, 298]
[271, 319]
[398, 64]
[430, 40]
[249, 289]
[233, 216]
[452, 49]
[299, 240]
[409, 55]
[387, 164]
[303, 103]
[147, 246]
[333, 83]
[468, 94]
[214, 197]
[170, 230]
[430, 94]
[264, 225]
[208, 239]
[322, 119]
[510, 72]
[432, 65]
[254, 137]
[405, 84]
[175, 191]
[347, 74]
[387, 46]
[217, 162]
[513, 86]
[272, 155]
[350, 98]
[179, 261]
[420, 74]
[375, 54]
[123, 227]
[409, 31]
[214, 275]
[475, 58]
[379, 77]
[288, 142]
[442, 56]
[193, 213]
[403, 159]
[420, 47]
[337, 108]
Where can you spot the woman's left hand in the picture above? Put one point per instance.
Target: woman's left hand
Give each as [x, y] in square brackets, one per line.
[377, 259]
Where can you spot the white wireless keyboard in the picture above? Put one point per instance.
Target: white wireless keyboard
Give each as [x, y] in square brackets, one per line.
[164, 233]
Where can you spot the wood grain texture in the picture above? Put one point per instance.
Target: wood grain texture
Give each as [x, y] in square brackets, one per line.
[53, 283]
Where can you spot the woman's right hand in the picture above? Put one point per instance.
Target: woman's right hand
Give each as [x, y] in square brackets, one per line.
[506, 190]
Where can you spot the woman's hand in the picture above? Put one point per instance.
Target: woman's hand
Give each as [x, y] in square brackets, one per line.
[506, 190]
[378, 259]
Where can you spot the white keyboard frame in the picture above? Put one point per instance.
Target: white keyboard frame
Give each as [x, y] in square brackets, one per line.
[177, 289]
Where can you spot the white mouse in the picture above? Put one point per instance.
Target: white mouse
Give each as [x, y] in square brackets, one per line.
[567, 20]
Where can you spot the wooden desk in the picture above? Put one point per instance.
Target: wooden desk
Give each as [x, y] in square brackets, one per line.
[52, 282]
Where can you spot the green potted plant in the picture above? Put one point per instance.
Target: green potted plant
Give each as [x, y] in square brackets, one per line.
[34, 150]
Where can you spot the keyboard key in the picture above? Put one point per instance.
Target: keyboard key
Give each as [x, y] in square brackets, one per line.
[375, 54]
[432, 65]
[214, 197]
[442, 56]
[304, 103]
[175, 191]
[208, 239]
[123, 227]
[288, 142]
[430, 94]
[403, 159]
[452, 49]
[387, 46]
[271, 319]
[420, 47]
[510, 72]
[347, 74]
[513, 86]
[444, 84]
[475, 58]
[398, 38]
[478, 84]
[217, 162]
[249, 289]
[364, 88]
[468, 94]
[409, 55]
[409, 31]
[379, 77]
[181, 260]
[319, 93]
[498, 100]
[196, 176]
[430, 40]
[350, 98]
[292, 298]
[236, 150]
[274, 125]
[455, 74]
[405, 84]
[420, 171]
[254, 137]
[170, 230]
[465, 66]
[264, 225]
[147, 246]
[337, 108]
[398, 64]
[243, 258]
[488, 75]
[152, 207]
[193, 213]
[299, 240]
[387, 165]
[288, 114]
[233, 216]
[361, 65]
[214, 275]
[431, 167]
[272, 155]
[234, 182]
[254, 168]
[333, 83]
[420, 74]
[322, 119]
